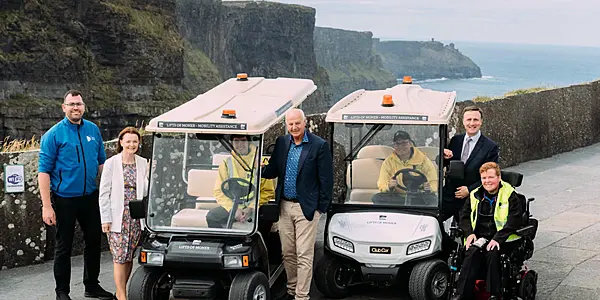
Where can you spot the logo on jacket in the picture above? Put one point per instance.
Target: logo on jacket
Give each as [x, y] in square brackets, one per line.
[14, 179]
[90, 138]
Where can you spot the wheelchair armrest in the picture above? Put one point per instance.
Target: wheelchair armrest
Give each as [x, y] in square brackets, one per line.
[524, 230]
[528, 230]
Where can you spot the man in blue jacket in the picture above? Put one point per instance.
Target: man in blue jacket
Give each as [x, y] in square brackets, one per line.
[71, 157]
[303, 164]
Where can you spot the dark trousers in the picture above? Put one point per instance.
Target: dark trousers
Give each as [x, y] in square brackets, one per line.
[217, 217]
[474, 260]
[86, 211]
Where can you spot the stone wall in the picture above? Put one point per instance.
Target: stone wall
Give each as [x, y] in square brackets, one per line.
[538, 125]
[526, 127]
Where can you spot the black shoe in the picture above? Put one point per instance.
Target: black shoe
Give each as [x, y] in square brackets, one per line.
[99, 293]
[493, 298]
[62, 296]
[287, 297]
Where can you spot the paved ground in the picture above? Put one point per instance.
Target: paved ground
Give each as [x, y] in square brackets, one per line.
[567, 255]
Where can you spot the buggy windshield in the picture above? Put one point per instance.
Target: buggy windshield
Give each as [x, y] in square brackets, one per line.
[395, 165]
[206, 182]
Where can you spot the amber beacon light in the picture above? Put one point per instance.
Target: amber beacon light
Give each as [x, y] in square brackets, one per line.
[387, 101]
[242, 77]
[228, 114]
[407, 80]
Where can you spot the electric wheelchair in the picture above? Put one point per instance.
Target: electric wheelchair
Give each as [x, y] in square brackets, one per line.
[518, 281]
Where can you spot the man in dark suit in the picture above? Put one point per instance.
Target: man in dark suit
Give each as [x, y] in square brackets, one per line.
[474, 149]
[303, 164]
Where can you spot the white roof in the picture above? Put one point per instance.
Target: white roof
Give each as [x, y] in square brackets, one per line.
[412, 105]
[258, 102]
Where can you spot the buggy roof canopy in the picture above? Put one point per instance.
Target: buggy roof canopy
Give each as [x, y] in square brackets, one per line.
[401, 104]
[243, 105]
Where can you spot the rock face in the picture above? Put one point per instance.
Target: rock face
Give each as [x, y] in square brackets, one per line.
[425, 60]
[259, 38]
[135, 59]
[350, 61]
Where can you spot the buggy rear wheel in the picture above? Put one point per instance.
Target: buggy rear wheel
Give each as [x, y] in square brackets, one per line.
[429, 280]
[251, 285]
[148, 283]
[332, 277]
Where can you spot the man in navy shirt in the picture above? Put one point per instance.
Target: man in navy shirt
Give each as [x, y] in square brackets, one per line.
[302, 161]
[71, 157]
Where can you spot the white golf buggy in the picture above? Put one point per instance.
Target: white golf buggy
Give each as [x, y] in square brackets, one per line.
[387, 226]
[207, 236]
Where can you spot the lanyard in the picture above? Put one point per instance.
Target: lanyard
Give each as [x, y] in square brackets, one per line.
[491, 200]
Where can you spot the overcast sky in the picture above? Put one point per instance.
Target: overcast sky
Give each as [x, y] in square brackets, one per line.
[556, 22]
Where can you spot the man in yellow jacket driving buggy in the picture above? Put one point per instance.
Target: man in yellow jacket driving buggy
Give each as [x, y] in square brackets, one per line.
[232, 168]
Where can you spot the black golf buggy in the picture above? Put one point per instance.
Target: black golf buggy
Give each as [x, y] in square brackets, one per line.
[195, 244]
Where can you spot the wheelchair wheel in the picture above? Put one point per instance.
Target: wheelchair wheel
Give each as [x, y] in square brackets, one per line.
[528, 286]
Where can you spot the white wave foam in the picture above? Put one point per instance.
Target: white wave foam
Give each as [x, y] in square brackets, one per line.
[432, 80]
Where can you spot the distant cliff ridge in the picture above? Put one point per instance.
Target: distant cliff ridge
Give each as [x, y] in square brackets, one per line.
[350, 60]
[425, 60]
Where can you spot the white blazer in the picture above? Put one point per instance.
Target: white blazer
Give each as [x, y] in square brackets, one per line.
[112, 189]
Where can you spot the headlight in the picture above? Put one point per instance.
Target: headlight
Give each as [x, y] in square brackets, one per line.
[343, 244]
[418, 247]
[235, 261]
[152, 258]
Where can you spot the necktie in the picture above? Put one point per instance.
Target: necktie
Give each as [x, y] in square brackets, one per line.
[465, 152]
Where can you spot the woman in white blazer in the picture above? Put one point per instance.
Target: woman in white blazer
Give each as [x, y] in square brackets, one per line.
[124, 178]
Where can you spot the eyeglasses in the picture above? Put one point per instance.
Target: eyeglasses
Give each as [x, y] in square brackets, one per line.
[75, 104]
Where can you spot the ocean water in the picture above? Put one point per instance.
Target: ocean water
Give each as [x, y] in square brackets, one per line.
[507, 67]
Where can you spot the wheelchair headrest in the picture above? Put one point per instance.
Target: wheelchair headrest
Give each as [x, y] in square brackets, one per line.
[513, 178]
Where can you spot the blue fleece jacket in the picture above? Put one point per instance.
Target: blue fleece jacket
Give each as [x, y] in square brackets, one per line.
[71, 154]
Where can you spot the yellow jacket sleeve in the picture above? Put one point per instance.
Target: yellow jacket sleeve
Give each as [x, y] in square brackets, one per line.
[432, 174]
[225, 202]
[385, 174]
[267, 192]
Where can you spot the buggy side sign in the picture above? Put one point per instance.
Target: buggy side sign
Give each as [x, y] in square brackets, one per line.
[14, 179]
[202, 125]
[384, 117]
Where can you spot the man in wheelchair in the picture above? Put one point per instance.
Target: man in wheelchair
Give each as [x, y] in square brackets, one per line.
[489, 222]
[232, 168]
[407, 169]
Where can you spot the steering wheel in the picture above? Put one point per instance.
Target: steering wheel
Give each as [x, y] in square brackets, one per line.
[411, 178]
[236, 188]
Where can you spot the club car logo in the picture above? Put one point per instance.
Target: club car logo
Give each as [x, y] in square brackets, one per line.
[380, 250]
[196, 242]
[14, 179]
[382, 218]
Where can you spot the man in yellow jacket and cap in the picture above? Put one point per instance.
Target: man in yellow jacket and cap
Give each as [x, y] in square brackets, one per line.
[232, 168]
[405, 156]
